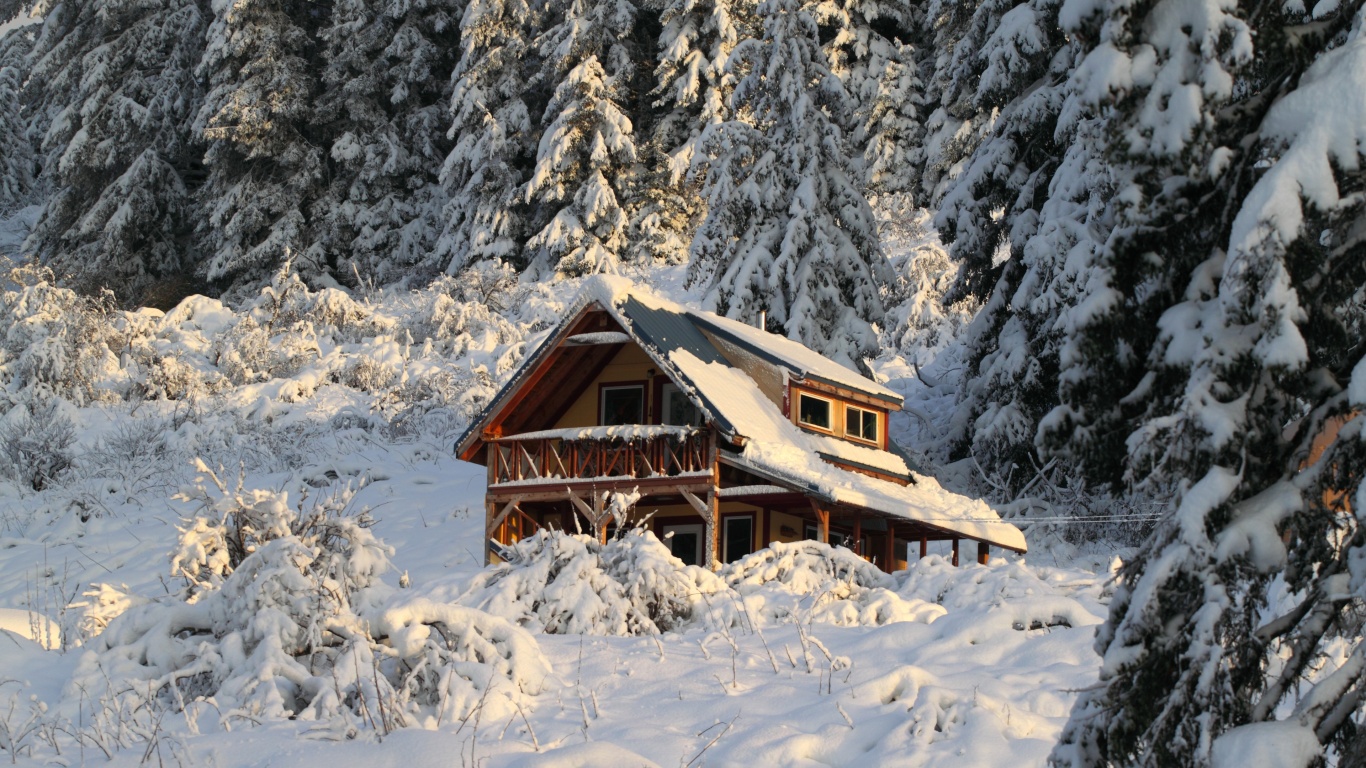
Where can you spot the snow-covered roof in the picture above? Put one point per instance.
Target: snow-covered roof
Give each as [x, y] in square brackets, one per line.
[769, 444]
[796, 358]
[777, 449]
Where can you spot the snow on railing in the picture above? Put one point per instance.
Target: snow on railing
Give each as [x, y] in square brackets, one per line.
[628, 451]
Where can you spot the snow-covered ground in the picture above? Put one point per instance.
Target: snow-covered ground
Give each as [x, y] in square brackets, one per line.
[308, 392]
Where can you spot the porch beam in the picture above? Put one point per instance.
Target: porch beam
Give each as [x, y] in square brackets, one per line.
[708, 510]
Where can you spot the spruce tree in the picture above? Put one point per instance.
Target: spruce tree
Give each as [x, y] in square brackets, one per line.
[121, 156]
[788, 230]
[383, 107]
[958, 36]
[692, 92]
[264, 153]
[485, 173]
[993, 204]
[893, 148]
[1234, 276]
[579, 188]
[17, 158]
[1029, 201]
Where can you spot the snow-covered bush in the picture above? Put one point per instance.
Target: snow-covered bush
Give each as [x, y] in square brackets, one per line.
[232, 523]
[806, 567]
[809, 581]
[288, 302]
[562, 583]
[286, 617]
[100, 604]
[55, 342]
[250, 353]
[449, 660]
[264, 643]
[467, 313]
[36, 444]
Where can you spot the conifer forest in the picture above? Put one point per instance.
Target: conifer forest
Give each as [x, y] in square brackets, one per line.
[1112, 253]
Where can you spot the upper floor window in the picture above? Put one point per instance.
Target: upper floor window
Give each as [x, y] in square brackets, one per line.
[622, 405]
[678, 410]
[860, 424]
[814, 411]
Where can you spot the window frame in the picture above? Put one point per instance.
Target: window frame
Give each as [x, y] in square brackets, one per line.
[664, 393]
[637, 385]
[726, 520]
[876, 440]
[830, 402]
[700, 530]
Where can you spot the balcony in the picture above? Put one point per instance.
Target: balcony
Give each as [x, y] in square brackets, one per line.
[618, 456]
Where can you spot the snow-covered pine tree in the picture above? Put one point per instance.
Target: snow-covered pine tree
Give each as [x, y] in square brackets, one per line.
[587, 149]
[788, 230]
[264, 155]
[868, 45]
[1027, 203]
[994, 203]
[893, 146]
[17, 158]
[958, 35]
[1237, 626]
[692, 92]
[384, 107]
[10, 9]
[121, 157]
[484, 174]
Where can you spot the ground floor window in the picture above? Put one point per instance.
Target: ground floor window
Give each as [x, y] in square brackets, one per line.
[737, 537]
[686, 542]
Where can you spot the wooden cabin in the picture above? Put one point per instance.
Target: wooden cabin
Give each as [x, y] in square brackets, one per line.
[732, 436]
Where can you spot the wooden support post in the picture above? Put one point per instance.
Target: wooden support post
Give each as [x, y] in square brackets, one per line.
[823, 522]
[983, 552]
[713, 531]
[858, 534]
[600, 521]
[890, 549]
[488, 530]
[709, 511]
[955, 551]
[924, 546]
[495, 520]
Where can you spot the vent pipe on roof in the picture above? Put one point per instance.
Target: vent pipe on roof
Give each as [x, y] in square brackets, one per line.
[763, 319]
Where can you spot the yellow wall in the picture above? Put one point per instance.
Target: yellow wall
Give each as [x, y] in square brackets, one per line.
[776, 521]
[630, 364]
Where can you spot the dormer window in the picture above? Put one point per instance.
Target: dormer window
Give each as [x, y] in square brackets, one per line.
[860, 424]
[815, 412]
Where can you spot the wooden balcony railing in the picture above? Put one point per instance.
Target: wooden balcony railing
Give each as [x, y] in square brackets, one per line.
[632, 452]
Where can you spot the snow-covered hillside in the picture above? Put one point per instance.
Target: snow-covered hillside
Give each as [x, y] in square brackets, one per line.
[358, 625]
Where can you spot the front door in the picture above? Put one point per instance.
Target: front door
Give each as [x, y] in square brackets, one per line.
[686, 542]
